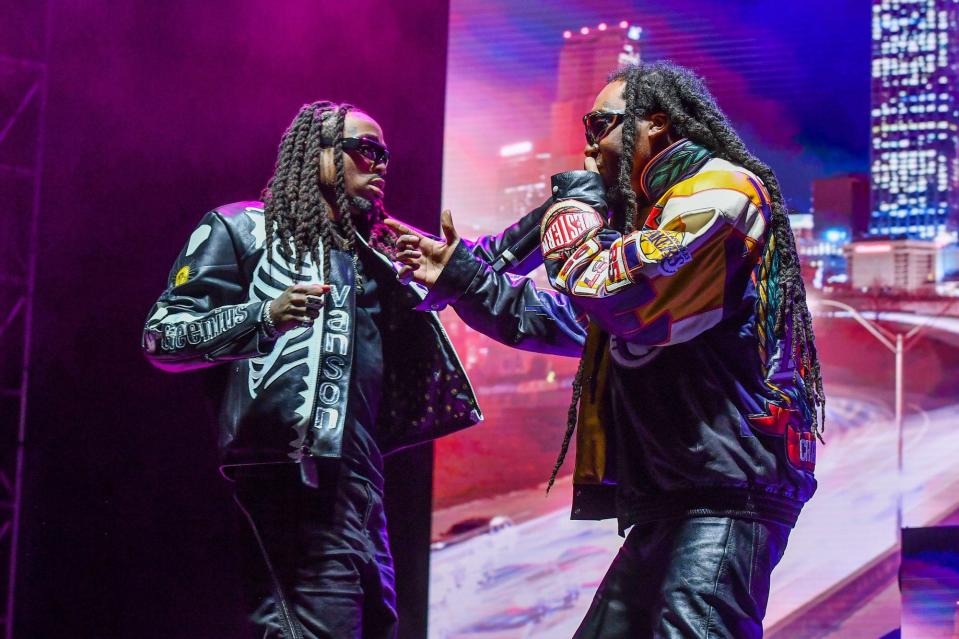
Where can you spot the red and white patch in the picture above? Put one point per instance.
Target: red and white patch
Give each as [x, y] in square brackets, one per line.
[787, 423]
[580, 258]
[565, 225]
[801, 448]
[590, 282]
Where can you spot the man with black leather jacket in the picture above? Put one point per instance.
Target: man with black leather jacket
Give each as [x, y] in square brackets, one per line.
[330, 368]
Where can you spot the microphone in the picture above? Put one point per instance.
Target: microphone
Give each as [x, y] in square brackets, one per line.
[526, 247]
[585, 186]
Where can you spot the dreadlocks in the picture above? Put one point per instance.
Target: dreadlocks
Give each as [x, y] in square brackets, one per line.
[663, 87]
[296, 212]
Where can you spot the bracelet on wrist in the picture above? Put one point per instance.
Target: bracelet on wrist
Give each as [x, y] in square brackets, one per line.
[266, 321]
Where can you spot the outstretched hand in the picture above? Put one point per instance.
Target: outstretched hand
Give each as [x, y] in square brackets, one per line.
[423, 258]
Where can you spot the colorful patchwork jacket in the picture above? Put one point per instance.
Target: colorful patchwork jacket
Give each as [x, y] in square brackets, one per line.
[691, 405]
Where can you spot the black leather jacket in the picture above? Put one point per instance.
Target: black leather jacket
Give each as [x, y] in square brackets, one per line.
[286, 399]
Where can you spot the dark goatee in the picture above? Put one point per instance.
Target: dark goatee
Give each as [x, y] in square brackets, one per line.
[360, 204]
[360, 210]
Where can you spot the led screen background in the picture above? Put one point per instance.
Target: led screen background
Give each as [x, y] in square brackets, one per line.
[794, 79]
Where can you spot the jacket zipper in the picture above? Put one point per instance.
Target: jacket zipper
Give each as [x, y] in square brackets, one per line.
[211, 356]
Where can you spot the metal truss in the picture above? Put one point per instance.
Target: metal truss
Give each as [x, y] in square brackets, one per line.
[24, 42]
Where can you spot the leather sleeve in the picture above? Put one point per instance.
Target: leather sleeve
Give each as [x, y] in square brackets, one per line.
[205, 315]
[507, 308]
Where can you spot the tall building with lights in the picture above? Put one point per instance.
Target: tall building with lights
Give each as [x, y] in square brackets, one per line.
[915, 118]
[588, 55]
[586, 58]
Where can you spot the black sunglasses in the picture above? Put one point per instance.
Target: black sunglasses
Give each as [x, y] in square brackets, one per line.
[598, 124]
[371, 150]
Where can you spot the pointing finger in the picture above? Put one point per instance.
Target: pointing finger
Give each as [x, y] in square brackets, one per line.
[397, 226]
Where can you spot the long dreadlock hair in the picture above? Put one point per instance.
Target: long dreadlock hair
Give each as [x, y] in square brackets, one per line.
[663, 87]
[296, 212]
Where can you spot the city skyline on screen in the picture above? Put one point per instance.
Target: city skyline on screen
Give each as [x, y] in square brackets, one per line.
[796, 87]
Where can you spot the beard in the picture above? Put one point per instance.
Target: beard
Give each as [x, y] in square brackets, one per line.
[616, 203]
[360, 204]
[360, 210]
[357, 206]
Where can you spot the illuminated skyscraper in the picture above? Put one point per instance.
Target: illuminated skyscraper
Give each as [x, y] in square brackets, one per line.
[915, 117]
[588, 56]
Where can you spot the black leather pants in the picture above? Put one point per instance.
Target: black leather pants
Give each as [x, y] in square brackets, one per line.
[321, 565]
[696, 578]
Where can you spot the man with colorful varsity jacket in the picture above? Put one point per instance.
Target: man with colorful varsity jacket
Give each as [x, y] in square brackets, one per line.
[673, 262]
